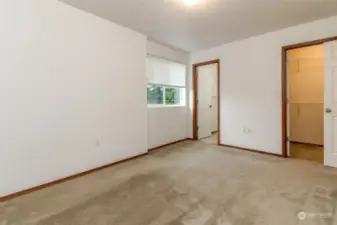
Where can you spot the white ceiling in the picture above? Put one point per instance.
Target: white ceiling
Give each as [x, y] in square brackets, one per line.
[211, 23]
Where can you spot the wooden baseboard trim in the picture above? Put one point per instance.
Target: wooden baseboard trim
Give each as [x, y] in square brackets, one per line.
[172, 143]
[27, 191]
[251, 150]
[303, 143]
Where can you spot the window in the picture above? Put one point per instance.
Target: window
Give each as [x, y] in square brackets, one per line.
[173, 96]
[164, 95]
[155, 94]
[166, 82]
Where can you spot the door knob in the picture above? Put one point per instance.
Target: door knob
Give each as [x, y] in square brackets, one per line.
[210, 106]
[328, 110]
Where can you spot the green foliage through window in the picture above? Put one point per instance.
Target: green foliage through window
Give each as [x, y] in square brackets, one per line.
[155, 94]
[172, 96]
[163, 95]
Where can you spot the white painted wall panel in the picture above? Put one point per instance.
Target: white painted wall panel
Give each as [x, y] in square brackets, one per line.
[72, 93]
[159, 50]
[166, 125]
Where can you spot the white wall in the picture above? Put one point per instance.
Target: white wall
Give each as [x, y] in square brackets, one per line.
[251, 84]
[156, 49]
[71, 91]
[166, 124]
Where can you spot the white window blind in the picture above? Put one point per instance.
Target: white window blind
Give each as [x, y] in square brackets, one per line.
[165, 72]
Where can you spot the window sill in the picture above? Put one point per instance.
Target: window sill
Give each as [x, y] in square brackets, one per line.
[165, 106]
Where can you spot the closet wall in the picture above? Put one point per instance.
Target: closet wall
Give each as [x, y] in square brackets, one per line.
[306, 87]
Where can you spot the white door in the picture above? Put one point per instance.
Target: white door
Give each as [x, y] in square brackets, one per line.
[205, 85]
[214, 102]
[330, 104]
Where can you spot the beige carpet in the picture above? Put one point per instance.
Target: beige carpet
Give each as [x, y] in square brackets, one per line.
[190, 183]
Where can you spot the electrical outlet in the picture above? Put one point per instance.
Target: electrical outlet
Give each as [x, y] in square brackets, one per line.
[247, 130]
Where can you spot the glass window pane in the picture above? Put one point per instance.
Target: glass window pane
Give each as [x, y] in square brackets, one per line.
[173, 96]
[155, 94]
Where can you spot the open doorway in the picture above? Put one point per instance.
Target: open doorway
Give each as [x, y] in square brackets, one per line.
[206, 119]
[321, 137]
[305, 72]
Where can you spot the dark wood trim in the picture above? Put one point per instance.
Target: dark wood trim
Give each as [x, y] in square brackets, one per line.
[27, 191]
[219, 102]
[284, 84]
[251, 150]
[206, 63]
[303, 143]
[195, 96]
[310, 43]
[284, 103]
[172, 143]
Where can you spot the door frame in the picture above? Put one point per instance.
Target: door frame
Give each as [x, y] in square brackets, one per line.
[284, 84]
[195, 96]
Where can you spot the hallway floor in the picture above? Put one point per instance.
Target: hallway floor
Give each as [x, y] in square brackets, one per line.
[307, 152]
[189, 183]
[212, 139]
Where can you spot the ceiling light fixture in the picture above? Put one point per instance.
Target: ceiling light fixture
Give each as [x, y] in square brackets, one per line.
[190, 2]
